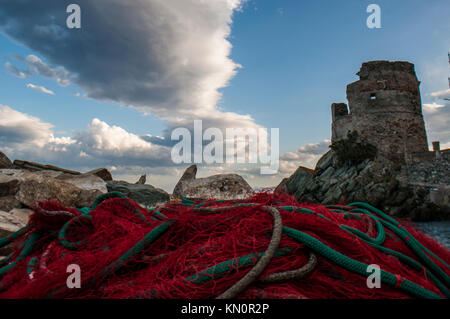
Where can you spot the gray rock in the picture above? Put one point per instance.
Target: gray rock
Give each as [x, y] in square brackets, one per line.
[103, 173]
[9, 224]
[397, 190]
[145, 195]
[69, 190]
[86, 182]
[8, 203]
[324, 162]
[222, 186]
[32, 166]
[351, 185]
[300, 181]
[189, 174]
[22, 215]
[142, 180]
[5, 162]
[327, 173]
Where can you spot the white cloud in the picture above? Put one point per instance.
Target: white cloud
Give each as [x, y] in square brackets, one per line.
[27, 137]
[442, 95]
[35, 66]
[18, 128]
[40, 88]
[179, 61]
[14, 70]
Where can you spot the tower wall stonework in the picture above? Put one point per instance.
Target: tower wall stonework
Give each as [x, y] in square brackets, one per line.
[385, 109]
[341, 121]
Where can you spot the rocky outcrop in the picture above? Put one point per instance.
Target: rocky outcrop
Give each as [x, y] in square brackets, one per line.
[103, 173]
[222, 186]
[381, 184]
[8, 203]
[22, 188]
[85, 182]
[142, 180]
[145, 195]
[34, 167]
[188, 175]
[5, 161]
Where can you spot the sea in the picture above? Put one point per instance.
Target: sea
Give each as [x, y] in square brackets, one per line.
[439, 230]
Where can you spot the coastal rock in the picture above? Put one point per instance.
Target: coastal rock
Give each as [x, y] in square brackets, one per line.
[34, 167]
[21, 215]
[222, 186]
[8, 203]
[145, 195]
[52, 189]
[103, 173]
[142, 179]
[188, 175]
[9, 223]
[389, 187]
[5, 162]
[69, 190]
[85, 182]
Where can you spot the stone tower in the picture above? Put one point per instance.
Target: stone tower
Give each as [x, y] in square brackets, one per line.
[385, 109]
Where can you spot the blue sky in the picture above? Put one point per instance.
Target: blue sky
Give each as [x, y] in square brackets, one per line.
[281, 62]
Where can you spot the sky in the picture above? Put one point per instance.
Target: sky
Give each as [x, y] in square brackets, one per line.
[110, 93]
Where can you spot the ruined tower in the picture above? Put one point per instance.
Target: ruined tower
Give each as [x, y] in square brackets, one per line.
[385, 108]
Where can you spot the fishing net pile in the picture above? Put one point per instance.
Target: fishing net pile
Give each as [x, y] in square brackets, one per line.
[267, 246]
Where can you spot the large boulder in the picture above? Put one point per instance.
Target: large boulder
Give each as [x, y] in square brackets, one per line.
[222, 186]
[70, 190]
[32, 166]
[103, 173]
[8, 203]
[5, 161]
[145, 195]
[86, 182]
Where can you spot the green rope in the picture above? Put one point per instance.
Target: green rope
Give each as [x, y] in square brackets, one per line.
[26, 251]
[409, 239]
[6, 260]
[356, 266]
[157, 214]
[11, 237]
[416, 266]
[226, 266]
[106, 196]
[62, 236]
[396, 223]
[379, 240]
[187, 202]
[32, 264]
[142, 245]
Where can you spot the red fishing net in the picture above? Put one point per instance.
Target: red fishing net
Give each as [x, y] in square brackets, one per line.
[197, 240]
